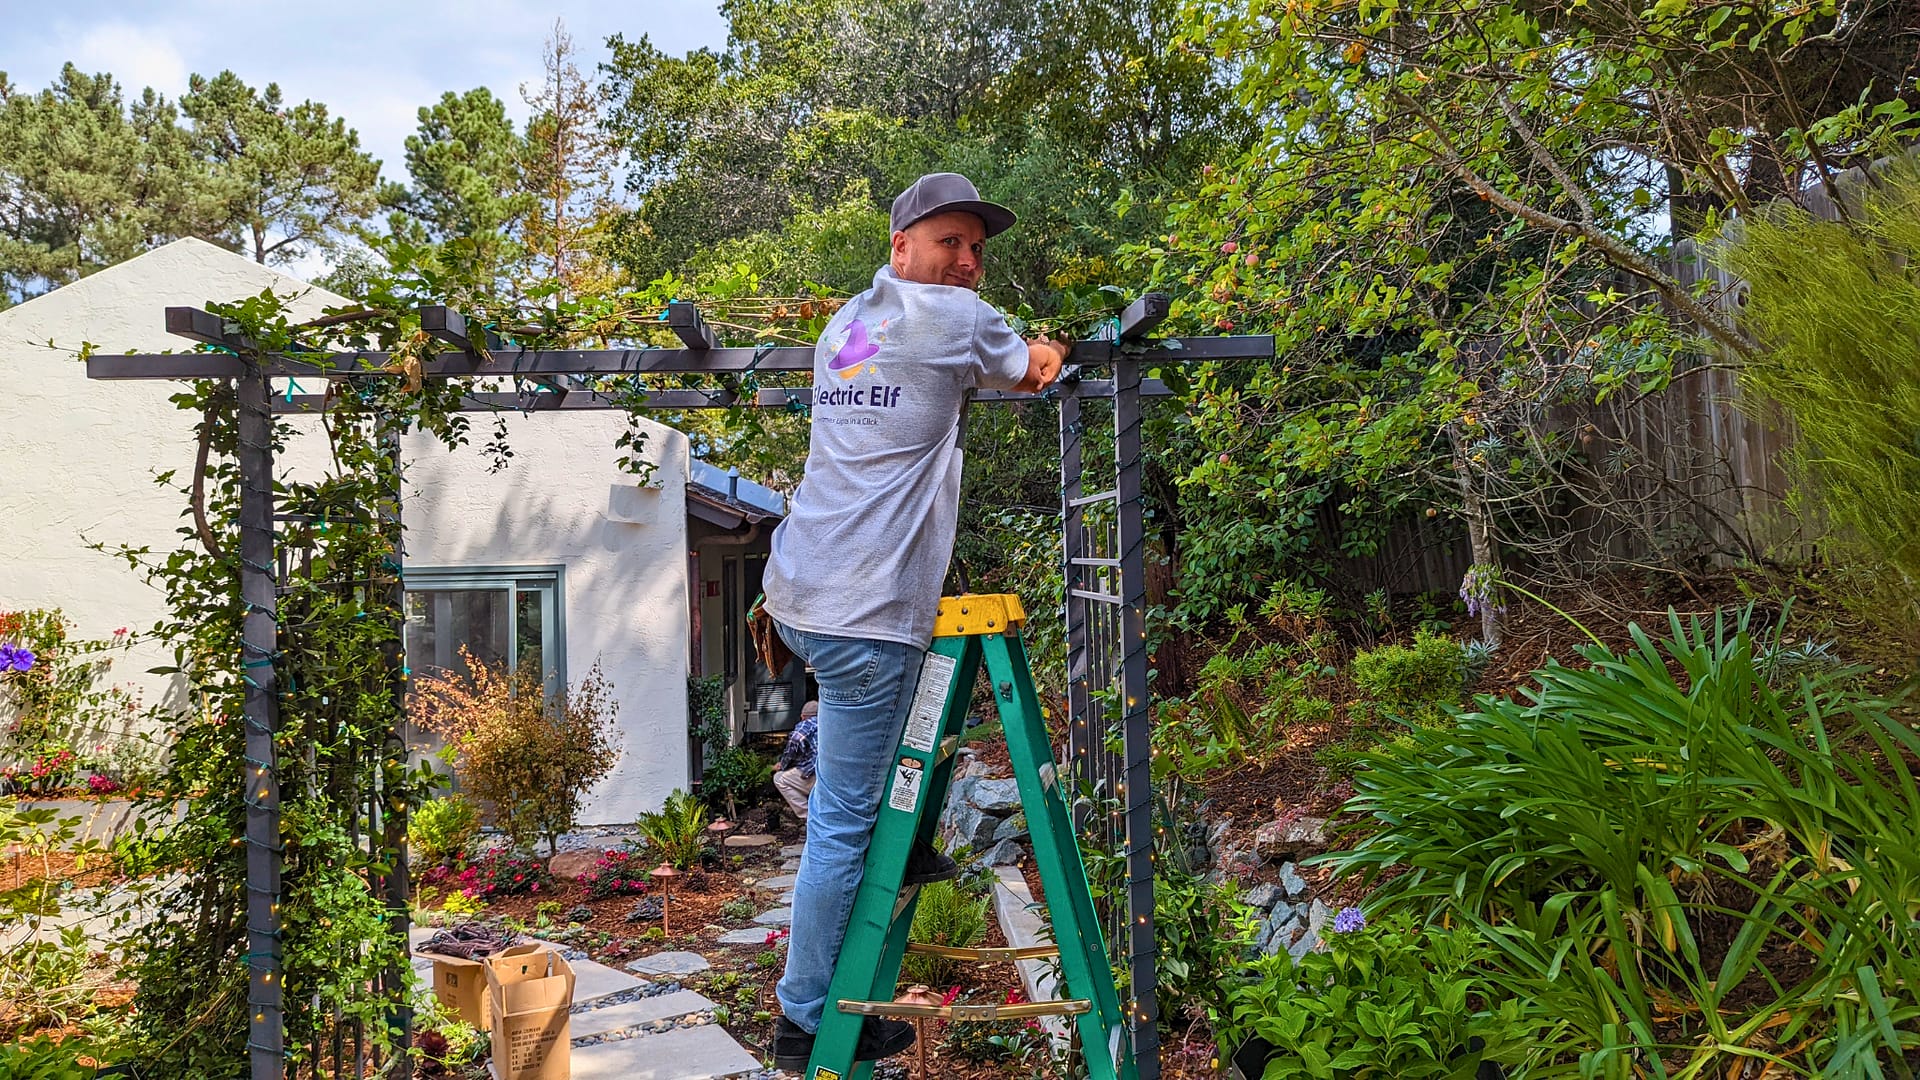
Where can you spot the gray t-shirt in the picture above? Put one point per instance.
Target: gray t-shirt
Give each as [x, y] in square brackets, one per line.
[864, 548]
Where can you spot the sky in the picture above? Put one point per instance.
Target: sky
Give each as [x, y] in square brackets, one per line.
[373, 63]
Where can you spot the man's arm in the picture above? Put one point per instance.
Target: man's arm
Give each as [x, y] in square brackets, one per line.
[1044, 359]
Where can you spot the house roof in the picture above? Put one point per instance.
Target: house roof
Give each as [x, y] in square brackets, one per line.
[725, 498]
[188, 271]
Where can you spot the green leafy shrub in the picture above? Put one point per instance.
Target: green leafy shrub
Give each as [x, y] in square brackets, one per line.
[989, 1040]
[1415, 683]
[528, 754]
[945, 914]
[1664, 851]
[1201, 933]
[439, 830]
[677, 831]
[45, 1059]
[615, 873]
[41, 982]
[62, 724]
[504, 873]
[1391, 999]
[1837, 309]
[735, 778]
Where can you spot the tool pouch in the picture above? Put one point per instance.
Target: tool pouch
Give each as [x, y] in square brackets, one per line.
[767, 642]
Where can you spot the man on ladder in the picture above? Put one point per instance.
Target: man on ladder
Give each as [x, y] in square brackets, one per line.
[853, 582]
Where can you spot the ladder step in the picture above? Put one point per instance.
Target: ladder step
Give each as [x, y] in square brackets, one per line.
[1019, 1011]
[1078, 561]
[1030, 952]
[1089, 500]
[1103, 597]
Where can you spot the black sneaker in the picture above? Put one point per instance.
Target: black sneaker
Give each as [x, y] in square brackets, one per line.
[925, 865]
[879, 1038]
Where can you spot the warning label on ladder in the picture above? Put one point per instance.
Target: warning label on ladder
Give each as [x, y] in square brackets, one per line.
[929, 701]
[906, 785]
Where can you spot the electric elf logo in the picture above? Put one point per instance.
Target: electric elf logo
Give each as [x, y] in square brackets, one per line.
[824, 1073]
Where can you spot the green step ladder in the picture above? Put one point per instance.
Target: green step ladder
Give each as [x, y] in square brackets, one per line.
[971, 629]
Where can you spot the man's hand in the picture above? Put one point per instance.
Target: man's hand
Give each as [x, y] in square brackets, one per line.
[1045, 356]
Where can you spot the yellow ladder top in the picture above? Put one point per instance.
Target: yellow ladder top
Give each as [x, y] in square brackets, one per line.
[979, 614]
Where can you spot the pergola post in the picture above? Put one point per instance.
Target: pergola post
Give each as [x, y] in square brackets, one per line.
[260, 647]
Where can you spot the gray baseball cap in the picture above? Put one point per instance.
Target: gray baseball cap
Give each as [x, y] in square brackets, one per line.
[937, 193]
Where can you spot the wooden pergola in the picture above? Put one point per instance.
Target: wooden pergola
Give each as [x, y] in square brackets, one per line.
[1103, 538]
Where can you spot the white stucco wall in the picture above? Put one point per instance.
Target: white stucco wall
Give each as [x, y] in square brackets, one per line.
[81, 456]
[563, 500]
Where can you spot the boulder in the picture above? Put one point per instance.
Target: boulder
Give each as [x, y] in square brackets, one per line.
[1317, 916]
[960, 793]
[999, 797]
[1013, 828]
[1263, 895]
[1004, 853]
[1280, 841]
[570, 865]
[970, 826]
[1291, 883]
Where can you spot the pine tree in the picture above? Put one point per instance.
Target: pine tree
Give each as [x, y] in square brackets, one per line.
[287, 178]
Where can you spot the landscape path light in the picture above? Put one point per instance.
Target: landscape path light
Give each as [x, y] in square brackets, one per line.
[663, 875]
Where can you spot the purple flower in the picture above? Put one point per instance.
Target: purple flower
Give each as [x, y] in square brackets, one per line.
[15, 658]
[1349, 920]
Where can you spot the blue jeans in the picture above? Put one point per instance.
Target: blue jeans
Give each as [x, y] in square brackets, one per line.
[866, 690]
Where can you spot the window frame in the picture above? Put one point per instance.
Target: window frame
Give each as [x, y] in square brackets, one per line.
[552, 577]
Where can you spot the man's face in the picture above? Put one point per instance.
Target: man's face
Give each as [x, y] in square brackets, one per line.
[944, 249]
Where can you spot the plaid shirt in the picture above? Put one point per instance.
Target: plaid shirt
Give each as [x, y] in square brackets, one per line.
[799, 751]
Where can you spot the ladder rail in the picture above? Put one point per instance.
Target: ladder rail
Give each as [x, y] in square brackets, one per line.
[977, 634]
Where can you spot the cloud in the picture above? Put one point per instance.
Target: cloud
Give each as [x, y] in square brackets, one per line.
[137, 56]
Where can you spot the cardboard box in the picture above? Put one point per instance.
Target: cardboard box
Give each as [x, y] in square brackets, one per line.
[461, 985]
[530, 999]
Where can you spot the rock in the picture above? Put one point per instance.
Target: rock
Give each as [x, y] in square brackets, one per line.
[1303, 945]
[998, 797]
[669, 963]
[1198, 857]
[1317, 917]
[1291, 882]
[976, 768]
[1279, 841]
[1013, 828]
[1218, 832]
[570, 865]
[960, 794]
[973, 827]
[1263, 895]
[1004, 853]
[749, 840]
[1283, 912]
[780, 916]
[1262, 934]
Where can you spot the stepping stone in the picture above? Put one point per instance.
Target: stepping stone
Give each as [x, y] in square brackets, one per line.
[633, 1013]
[792, 851]
[744, 937]
[791, 865]
[780, 916]
[592, 980]
[749, 840]
[785, 898]
[698, 1053]
[783, 881]
[670, 963]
